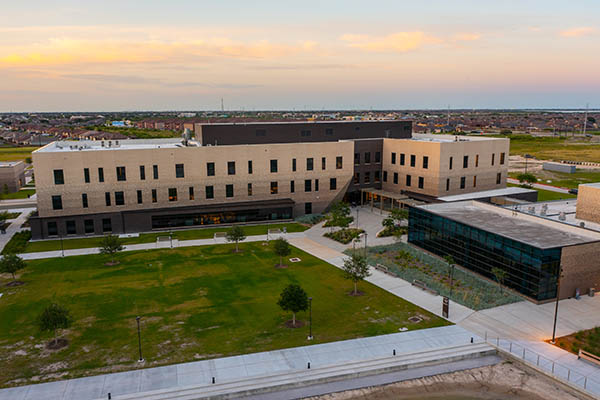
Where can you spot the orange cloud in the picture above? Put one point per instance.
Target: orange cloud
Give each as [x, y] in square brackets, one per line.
[579, 31]
[467, 37]
[396, 42]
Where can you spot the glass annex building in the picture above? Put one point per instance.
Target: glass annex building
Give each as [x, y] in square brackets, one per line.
[481, 237]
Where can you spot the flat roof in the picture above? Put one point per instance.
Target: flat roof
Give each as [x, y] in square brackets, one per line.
[528, 229]
[504, 192]
[9, 163]
[118, 144]
[595, 185]
[428, 137]
[553, 210]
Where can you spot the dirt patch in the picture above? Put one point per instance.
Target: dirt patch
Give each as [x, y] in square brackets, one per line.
[112, 263]
[56, 344]
[280, 266]
[289, 324]
[15, 283]
[358, 293]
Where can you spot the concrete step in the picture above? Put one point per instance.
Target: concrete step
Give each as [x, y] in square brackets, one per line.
[299, 378]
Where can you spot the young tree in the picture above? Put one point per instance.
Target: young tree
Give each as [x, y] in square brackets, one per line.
[53, 318]
[236, 234]
[11, 263]
[294, 299]
[282, 249]
[500, 276]
[339, 215]
[111, 245]
[356, 269]
[527, 178]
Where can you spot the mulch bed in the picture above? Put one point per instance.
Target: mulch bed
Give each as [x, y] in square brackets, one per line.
[358, 293]
[15, 283]
[299, 324]
[57, 344]
[112, 264]
[281, 266]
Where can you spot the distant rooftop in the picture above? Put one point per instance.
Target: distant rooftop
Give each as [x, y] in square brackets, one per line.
[450, 138]
[9, 163]
[504, 192]
[519, 226]
[367, 121]
[95, 145]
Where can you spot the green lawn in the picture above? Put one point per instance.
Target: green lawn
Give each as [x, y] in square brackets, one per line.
[206, 233]
[15, 153]
[562, 179]
[21, 194]
[548, 195]
[195, 303]
[554, 148]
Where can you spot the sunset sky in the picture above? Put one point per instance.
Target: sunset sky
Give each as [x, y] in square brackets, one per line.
[187, 55]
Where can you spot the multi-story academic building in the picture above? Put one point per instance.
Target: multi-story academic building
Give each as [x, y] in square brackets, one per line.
[247, 173]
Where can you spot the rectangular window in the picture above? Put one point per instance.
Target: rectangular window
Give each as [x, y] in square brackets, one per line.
[377, 157]
[493, 157]
[323, 163]
[119, 198]
[305, 133]
[249, 167]
[385, 176]
[140, 199]
[84, 200]
[229, 190]
[273, 165]
[466, 162]
[210, 169]
[154, 196]
[408, 180]
[100, 174]
[421, 182]
[155, 171]
[328, 131]
[474, 180]
[367, 177]
[52, 229]
[413, 160]
[261, 132]
[210, 192]
[425, 162]
[292, 186]
[71, 229]
[357, 178]
[88, 225]
[367, 157]
[450, 162]
[293, 164]
[250, 189]
[230, 167]
[501, 158]
[339, 163]
[309, 164]
[57, 202]
[191, 192]
[107, 198]
[447, 184]
[402, 159]
[332, 183]
[59, 177]
[394, 158]
[316, 185]
[377, 176]
[498, 178]
[121, 174]
[307, 185]
[476, 160]
[462, 182]
[307, 208]
[395, 178]
[179, 171]
[86, 175]
[106, 225]
[172, 194]
[142, 173]
[356, 158]
[274, 188]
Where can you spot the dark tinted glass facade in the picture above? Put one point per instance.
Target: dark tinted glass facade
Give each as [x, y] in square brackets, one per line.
[192, 219]
[530, 270]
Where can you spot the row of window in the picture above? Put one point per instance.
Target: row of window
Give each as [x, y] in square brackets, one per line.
[425, 160]
[71, 228]
[209, 193]
[121, 173]
[408, 180]
[367, 158]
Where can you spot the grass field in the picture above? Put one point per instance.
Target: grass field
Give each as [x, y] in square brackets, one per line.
[562, 179]
[549, 148]
[21, 194]
[138, 133]
[206, 233]
[195, 303]
[15, 153]
[548, 195]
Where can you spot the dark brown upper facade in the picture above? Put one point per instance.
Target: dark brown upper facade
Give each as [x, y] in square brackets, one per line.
[292, 132]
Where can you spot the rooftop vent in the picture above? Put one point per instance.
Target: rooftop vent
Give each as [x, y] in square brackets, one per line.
[562, 216]
[544, 209]
[582, 224]
[531, 210]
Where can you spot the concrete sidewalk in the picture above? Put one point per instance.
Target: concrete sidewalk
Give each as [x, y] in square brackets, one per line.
[448, 340]
[15, 225]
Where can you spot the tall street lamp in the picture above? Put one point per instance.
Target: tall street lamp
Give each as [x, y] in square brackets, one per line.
[365, 244]
[62, 248]
[553, 341]
[310, 336]
[357, 209]
[139, 338]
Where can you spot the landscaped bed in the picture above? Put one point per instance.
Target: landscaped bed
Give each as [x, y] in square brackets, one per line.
[588, 340]
[412, 264]
[344, 236]
[195, 303]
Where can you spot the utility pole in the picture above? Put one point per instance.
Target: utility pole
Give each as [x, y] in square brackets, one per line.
[553, 341]
[585, 118]
[222, 107]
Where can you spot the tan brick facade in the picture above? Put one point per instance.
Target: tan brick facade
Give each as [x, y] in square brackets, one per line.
[588, 203]
[581, 269]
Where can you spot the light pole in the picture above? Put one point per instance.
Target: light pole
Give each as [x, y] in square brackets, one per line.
[171, 238]
[451, 279]
[310, 336]
[365, 244]
[553, 341]
[139, 338]
[62, 248]
[357, 209]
